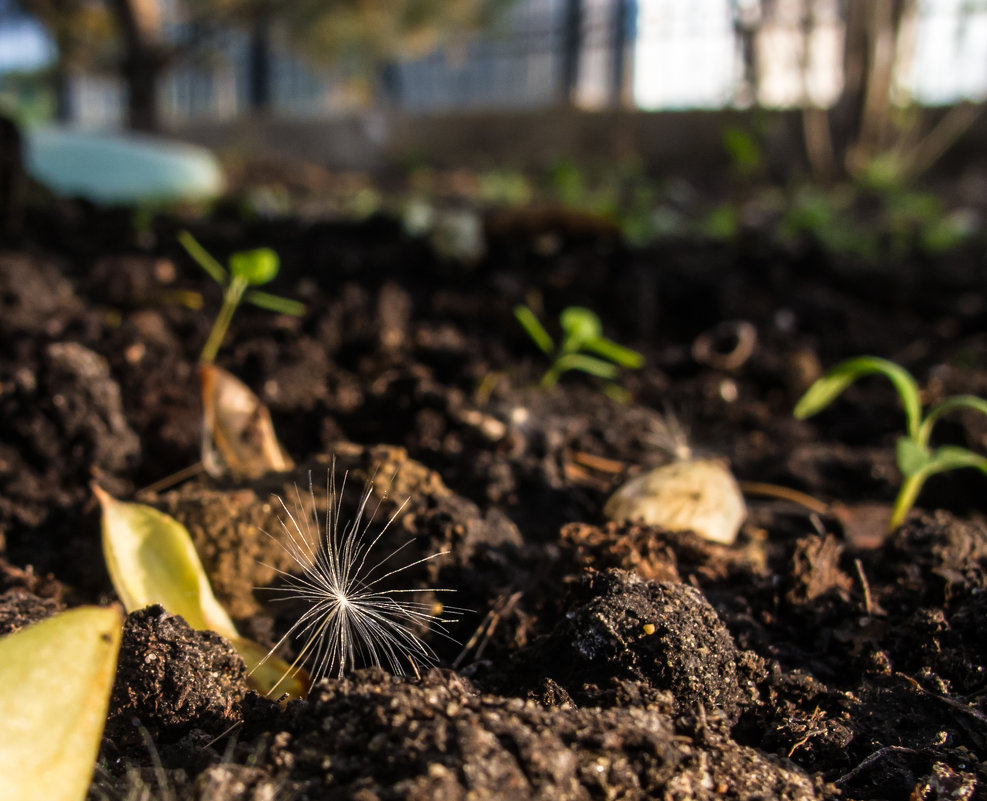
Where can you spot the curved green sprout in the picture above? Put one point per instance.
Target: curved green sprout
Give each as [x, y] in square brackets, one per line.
[248, 268]
[916, 460]
[582, 331]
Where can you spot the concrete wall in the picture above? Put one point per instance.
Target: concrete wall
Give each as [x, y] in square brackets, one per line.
[688, 142]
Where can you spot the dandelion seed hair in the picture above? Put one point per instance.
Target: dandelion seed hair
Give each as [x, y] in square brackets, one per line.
[351, 617]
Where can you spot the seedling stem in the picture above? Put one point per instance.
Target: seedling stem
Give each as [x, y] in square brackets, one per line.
[248, 268]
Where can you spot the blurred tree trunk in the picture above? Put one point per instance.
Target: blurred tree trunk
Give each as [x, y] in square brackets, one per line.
[260, 65]
[861, 125]
[81, 33]
[624, 34]
[747, 21]
[61, 88]
[144, 59]
[874, 38]
[13, 180]
[572, 45]
[389, 87]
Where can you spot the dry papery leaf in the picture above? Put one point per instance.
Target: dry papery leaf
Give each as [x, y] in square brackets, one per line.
[699, 495]
[237, 433]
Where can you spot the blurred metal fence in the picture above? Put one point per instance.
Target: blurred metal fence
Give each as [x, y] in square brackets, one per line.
[652, 54]
[518, 64]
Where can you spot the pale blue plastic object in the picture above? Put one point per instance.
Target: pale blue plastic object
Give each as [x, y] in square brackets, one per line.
[120, 168]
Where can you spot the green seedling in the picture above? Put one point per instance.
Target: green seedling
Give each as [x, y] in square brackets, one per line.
[248, 269]
[916, 459]
[583, 345]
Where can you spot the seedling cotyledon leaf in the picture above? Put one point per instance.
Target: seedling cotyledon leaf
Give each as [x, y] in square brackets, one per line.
[583, 345]
[248, 269]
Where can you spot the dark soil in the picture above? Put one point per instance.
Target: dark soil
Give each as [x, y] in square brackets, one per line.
[815, 658]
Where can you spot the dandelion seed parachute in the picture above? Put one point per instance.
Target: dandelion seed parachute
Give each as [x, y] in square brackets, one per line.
[352, 619]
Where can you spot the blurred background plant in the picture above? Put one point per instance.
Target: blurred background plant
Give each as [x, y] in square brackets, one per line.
[831, 123]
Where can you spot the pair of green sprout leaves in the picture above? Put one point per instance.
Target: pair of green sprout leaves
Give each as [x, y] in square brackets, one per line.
[917, 460]
[248, 269]
[583, 346]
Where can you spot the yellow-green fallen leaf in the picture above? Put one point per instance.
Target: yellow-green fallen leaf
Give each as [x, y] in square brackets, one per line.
[152, 560]
[270, 675]
[55, 682]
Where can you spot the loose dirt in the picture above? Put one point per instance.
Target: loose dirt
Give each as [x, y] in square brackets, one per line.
[815, 658]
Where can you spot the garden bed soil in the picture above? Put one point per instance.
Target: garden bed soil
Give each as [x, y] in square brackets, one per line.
[817, 657]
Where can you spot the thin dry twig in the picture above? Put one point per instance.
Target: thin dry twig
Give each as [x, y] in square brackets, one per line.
[579, 475]
[784, 493]
[503, 605]
[175, 478]
[868, 605]
[973, 712]
[598, 463]
[878, 754]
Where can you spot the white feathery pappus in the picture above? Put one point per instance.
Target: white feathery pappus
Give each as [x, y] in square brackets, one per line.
[352, 619]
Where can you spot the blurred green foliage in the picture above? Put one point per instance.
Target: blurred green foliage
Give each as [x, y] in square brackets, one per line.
[582, 346]
[26, 97]
[878, 216]
[871, 223]
[742, 147]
